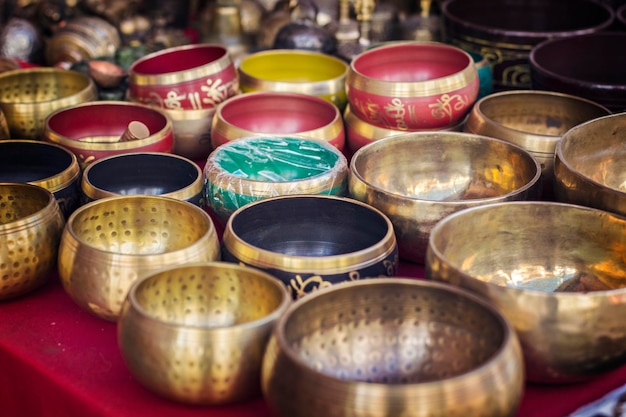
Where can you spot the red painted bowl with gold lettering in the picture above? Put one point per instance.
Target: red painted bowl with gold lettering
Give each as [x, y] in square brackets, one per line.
[412, 85]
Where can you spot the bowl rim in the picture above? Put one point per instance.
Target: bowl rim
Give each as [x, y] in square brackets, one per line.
[433, 135]
[509, 336]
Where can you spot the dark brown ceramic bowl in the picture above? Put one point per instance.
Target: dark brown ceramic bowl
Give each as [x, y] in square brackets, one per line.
[590, 66]
[505, 31]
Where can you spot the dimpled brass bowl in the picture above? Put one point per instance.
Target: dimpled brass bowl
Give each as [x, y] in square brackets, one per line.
[534, 120]
[392, 347]
[590, 164]
[112, 242]
[556, 271]
[419, 178]
[31, 224]
[28, 96]
[197, 333]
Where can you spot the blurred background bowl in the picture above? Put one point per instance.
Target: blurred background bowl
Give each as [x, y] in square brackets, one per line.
[206, 348]
[419, 178]
[412, 85]
[150, 173]
[485, 73]
[392, 345]
[112, 242]
[28, 96]
[93, 130]
[534, 120]
[273, 113]
[44, 164]
[250, 169]
[192, 132]
[295, 71]
[30, 231]
[588, 66]
[311, 241]
[505, 31]
[590, 164]
[556, 272]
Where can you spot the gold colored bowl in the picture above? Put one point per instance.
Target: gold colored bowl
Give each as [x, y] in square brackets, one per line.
[31, 224]
[110, 243]
[384, 346]
[555, 271]
[28, 96]
[534, 120]
[419, 178]
[196, 333]
[295, 71]
[192, 132]
[590, 164]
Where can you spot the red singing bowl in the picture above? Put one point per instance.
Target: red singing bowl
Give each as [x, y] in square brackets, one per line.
[91, 130]
[412, 85]
[188, 77]
[274, 113]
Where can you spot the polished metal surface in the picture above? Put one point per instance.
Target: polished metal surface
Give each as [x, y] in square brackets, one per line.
[556, 271]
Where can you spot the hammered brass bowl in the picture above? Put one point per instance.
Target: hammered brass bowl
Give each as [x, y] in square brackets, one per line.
[28, 96]
[311, 242]
[250, 169]
[535, 120]
[556, 271]
[112, 242]
[392, 347]
[196, 333]
[419, 178]
[295, 71]
[590, 164]
[48, 165]
[31, 224]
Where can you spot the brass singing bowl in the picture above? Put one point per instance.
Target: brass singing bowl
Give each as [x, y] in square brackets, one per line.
[28, 96]
[31, 224]
[192, 132]
[555, 271]
[391, 347]
[110, 243]
[419, 178]
[590, 164]
[196, 333]
[535, 120]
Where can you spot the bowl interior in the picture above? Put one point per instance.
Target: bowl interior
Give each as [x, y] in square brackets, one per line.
[445, 168]
[130, 174]
[411, 62]
[293, 67]
[537, 246]
[178, 59]
[208, 296]
[309, 226]
[18, 201]
[393, 334]
[34, 86]
[139, 225]
[25, 161]
[278, 113]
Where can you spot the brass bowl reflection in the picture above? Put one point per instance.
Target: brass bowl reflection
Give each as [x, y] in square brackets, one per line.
[534, 120]
[196, 333]
[384, 346]
[28, 96]
[590, 164]
[419, 178]
[112, 242]
[31, 224]
[556, 272]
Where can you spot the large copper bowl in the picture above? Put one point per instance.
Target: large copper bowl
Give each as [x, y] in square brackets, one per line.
[556, 272]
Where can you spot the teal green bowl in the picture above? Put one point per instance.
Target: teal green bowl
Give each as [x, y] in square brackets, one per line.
[485, 73]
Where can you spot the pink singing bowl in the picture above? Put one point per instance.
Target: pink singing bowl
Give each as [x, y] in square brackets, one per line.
[188, 77]
[273, 113]
[412, 85]
[92, 130]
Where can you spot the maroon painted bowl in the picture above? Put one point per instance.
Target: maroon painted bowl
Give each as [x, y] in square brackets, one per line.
[412, 85]
[93, 130]
[187, 77]
[591, 66]
[273, 113]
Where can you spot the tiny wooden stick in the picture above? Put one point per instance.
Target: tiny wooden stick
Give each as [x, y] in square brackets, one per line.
[135, 130]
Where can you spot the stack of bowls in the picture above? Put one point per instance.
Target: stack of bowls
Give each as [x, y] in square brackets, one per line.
[408, 86]
[187, 83]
